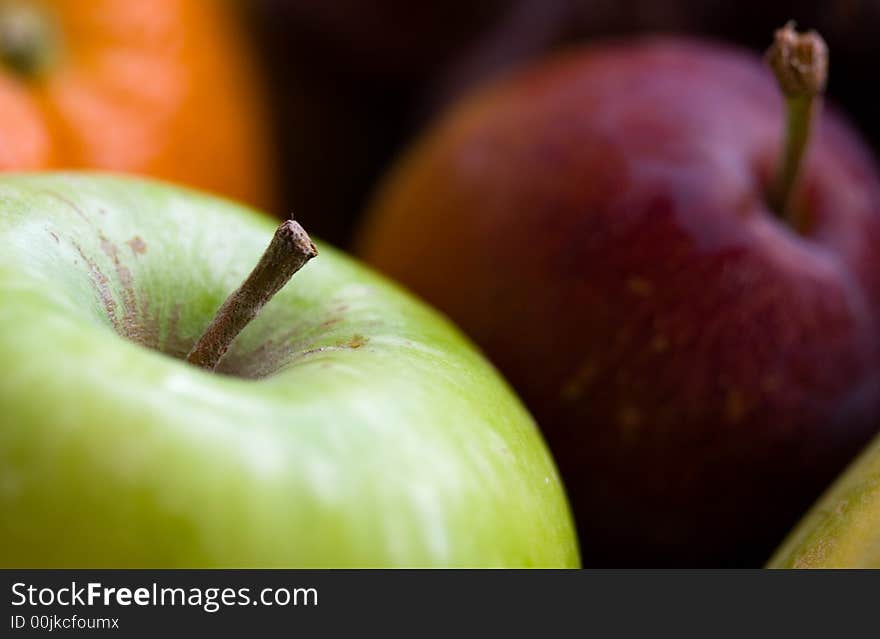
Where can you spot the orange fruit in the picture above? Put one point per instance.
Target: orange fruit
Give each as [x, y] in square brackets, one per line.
[165, 88]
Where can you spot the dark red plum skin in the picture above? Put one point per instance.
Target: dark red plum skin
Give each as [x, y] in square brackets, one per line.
[598, 224]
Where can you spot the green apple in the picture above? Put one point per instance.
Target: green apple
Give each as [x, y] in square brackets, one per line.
[843, 529]
[348, 425]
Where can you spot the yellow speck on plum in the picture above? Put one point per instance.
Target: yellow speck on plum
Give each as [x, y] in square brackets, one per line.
[640, 286]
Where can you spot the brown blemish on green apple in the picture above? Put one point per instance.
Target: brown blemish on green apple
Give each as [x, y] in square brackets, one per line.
[262, 362]
[271, 355]
[101, 286]
[137, 323]
[110, 250]
[282, 349]
[504, 451]
[274, 356]
[356, 341]
[275, 353]
[73, 205]
[141, 323]
[137, 245]
[132, 326]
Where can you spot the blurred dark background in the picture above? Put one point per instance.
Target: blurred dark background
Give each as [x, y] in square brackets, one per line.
[355, 80]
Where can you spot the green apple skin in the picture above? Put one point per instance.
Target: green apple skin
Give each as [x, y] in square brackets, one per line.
[348, 426]
[843, 529]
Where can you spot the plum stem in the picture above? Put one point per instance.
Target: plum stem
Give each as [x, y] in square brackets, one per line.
[290, 250]
[800, 62]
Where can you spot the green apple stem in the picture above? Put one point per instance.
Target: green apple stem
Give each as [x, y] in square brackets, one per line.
[800, 62]
[287, 253]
